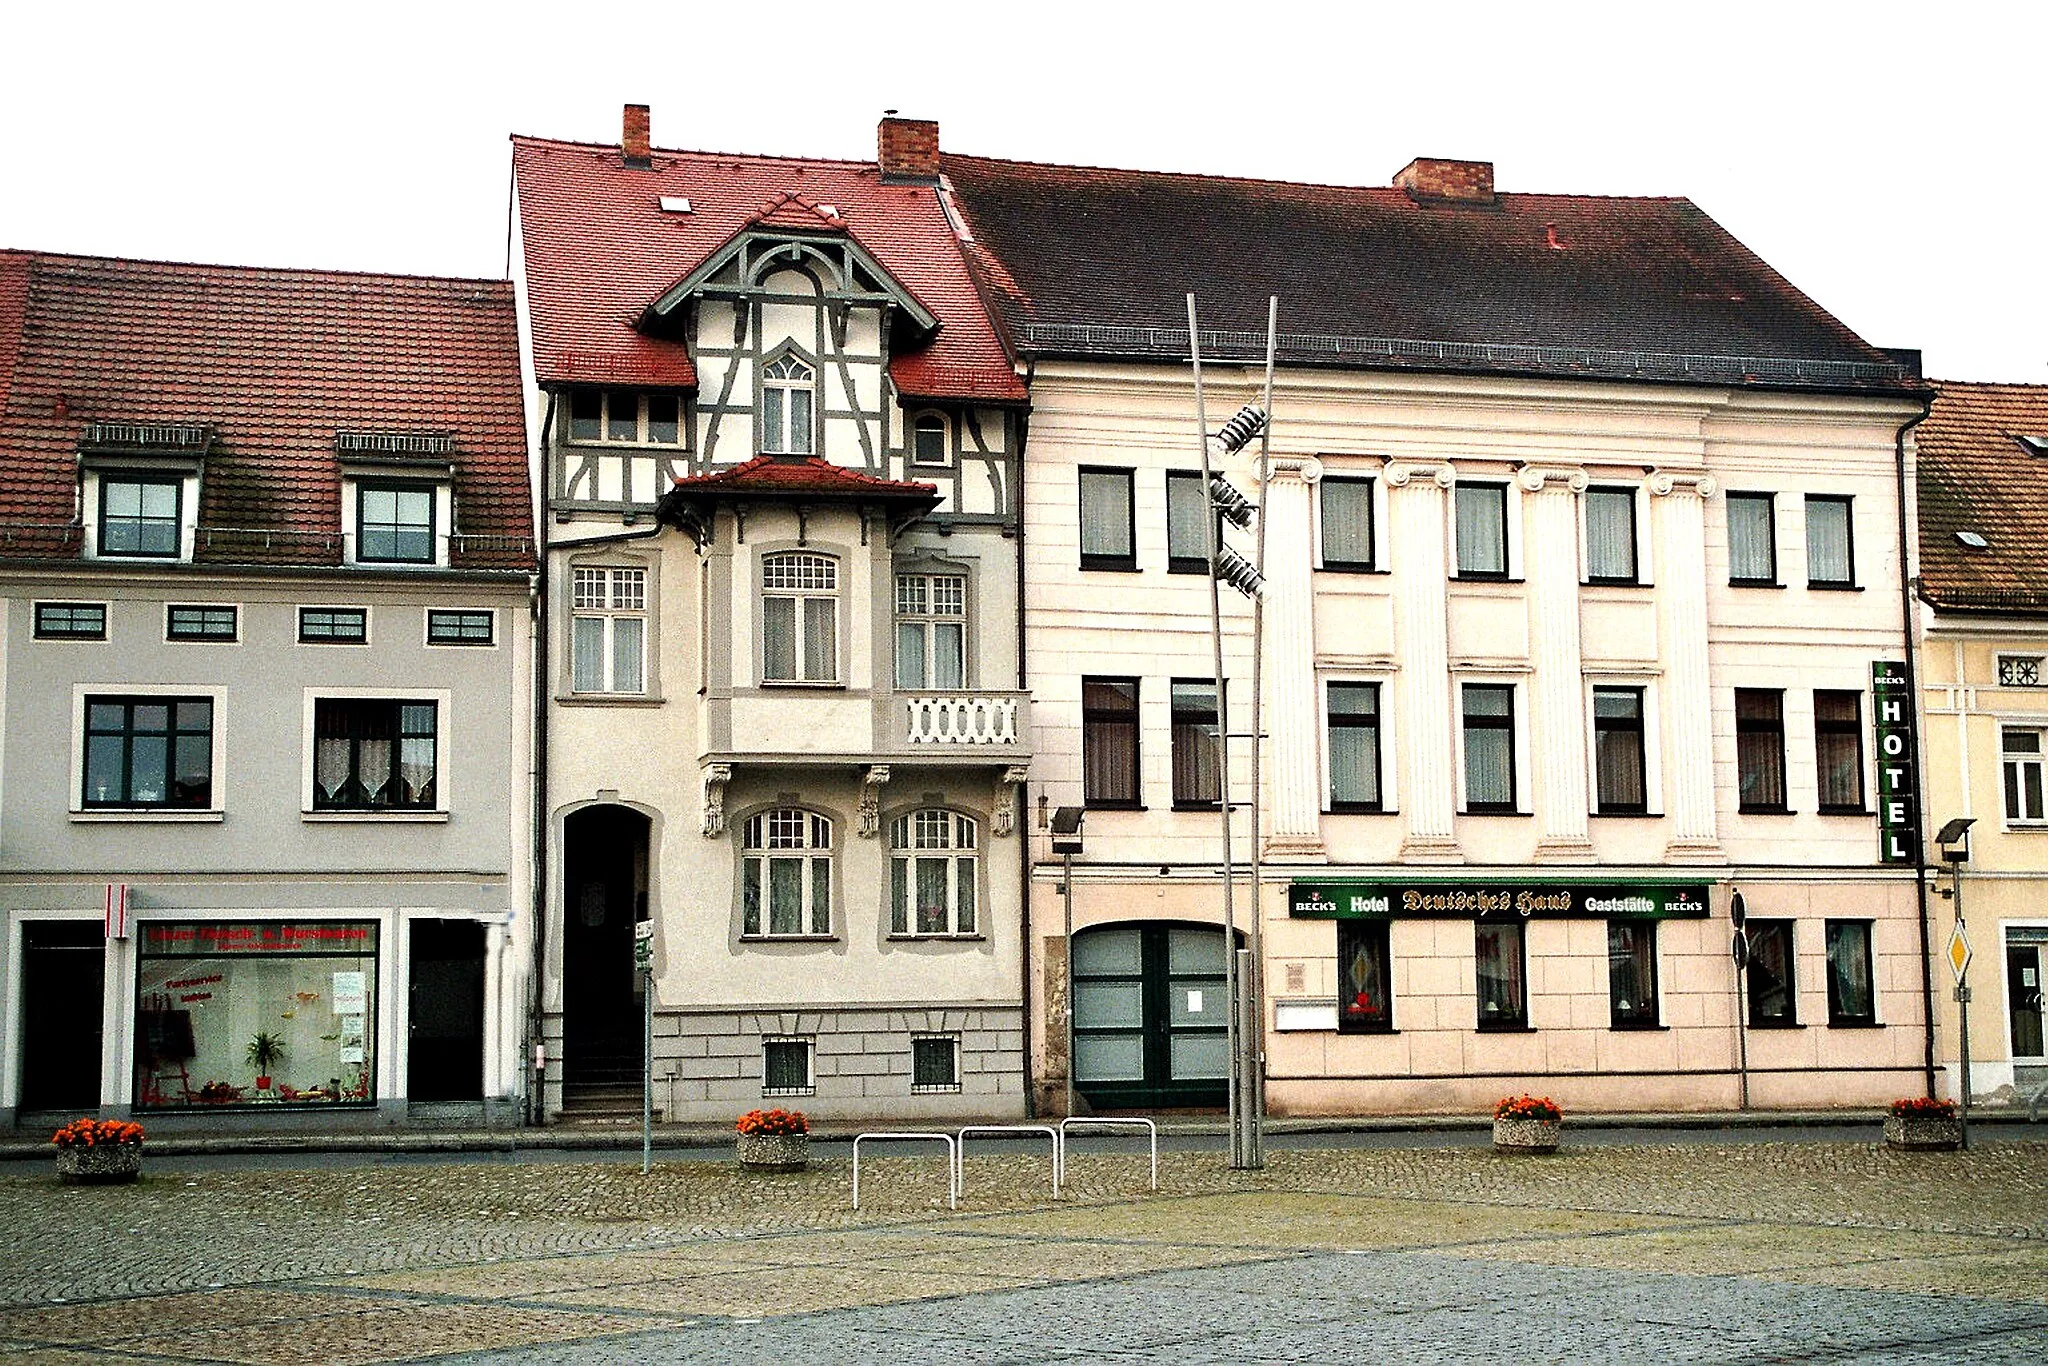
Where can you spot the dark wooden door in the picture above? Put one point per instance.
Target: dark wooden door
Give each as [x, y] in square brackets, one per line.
[445, 1050]
[63, 991]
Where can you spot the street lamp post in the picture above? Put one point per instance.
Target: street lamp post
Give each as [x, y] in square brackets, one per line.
[1954, 841]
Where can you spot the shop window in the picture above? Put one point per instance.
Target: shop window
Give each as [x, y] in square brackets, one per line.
[395, 523]
[1830, 543]
[449, 627]
[1760, 749]
[140, 518]
[786, 875]
[1838, 751]
[608, 630]
[1346, 508]
[786, 391]
[1108, 535]
[71, 621]
[1632, 973]
[934, 1064]
[932, 874]
[931, 630]
[799, 618]
[786, 1067]
[1852, 993]
[1500, 958]
[374, 754]
[1619, 772]
[1187, 503]
[1489, 713]
[1482, 521]
[1773, 995]
[1611, 535]
[1752, 540]
[334, 625]
[1365, 997]
[1109, 742]
[149, 752]
[1197, 776]
[928, 440]
[2022, 761]
[208, 992]
[205, 623]
[1354, 714]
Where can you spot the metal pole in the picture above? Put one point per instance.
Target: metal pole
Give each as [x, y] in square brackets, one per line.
[1067, 895]
[1742, 1030]
[1255, 1081]
[646, 1072]
[1962, 1012]
[1211, 541]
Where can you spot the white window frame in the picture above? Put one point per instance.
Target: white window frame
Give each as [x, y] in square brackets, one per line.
[911, 456]
[778, 442]
[617, 606]
[94, 482]
[351, 508]
[82, 814]
[641, 398]
[2037, 761]
[755, 853]
[955, 853]
[800, 596]
[444, 731]
[1383, 681]
[1524, 773]
[810, 1051]
[927, 620]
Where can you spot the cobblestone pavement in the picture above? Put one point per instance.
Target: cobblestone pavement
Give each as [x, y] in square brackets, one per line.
[1716, 1252]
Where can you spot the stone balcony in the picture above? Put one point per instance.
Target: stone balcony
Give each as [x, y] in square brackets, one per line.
[787, 727]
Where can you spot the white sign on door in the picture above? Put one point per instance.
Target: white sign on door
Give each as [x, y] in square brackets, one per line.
[351, 995]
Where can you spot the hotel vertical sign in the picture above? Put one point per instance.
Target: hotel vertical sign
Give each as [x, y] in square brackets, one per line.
[1891, 714]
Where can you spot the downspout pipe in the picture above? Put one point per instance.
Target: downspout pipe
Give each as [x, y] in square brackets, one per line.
[1907, 615]
[1022, 796]
[536, 1014]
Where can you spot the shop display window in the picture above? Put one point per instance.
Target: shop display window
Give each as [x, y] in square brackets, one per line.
[255, 1013]
[1365, 1001]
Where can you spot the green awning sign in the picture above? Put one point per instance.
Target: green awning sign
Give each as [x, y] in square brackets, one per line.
[1505, 900]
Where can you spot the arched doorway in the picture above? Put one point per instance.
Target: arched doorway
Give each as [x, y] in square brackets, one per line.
[1150, 1021]
[604, 890]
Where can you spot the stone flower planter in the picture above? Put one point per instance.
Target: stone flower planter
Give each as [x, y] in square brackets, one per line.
[774, 1152]
[1923, 1135]
[106, 1164]
[1525, 1135]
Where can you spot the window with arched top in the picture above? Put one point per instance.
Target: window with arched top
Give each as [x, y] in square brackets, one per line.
[928, 440]
[799, 618]
[932, 869]
[786, 874]
[787, 386]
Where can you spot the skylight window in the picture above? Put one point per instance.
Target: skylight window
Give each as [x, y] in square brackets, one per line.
[674, 203]
[1973, 540]
[2035, 445]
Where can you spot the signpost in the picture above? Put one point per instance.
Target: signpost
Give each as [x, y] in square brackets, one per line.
[1959, 964]
[643, 963]
[1738, 911]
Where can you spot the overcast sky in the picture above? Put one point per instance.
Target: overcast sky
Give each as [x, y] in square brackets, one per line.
[1890, 161]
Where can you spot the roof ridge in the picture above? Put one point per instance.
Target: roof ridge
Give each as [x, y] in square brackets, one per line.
[2021, 384]
[709, 154]
[38, 257]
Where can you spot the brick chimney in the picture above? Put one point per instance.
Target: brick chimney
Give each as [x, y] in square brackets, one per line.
[907, 150]
[1435, 180]
[636, 142]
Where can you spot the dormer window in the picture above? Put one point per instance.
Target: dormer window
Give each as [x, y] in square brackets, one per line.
[397, 497]
[140, 484]
[139, 516]
[395, 523]
[786, 389]
[624, 417]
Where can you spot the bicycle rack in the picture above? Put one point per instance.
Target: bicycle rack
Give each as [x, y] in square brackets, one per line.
[1077, 1121]
[952, 1161]
[1058, 1155]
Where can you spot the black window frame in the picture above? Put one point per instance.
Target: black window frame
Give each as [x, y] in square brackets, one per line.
[1177, 560]
[1127, 562]
[1515, 935]
[1334, 721]
[1634, 577]
[208, 628]
[1772, 729]
[1770, 504]
[1838, 1017]
[177, 518]
[396, 733]
[1467, 723]
[1846, 732]
[399, 486]
[44, 630]
[807, 1050]
[172, 733]
[440, 615]
[1759, 932]
[1093, 718]
[1641, 1014]
[1848, 506]
[1504, 573]
[922, 1046]
[1188, 725]
[1364, 487]
[1369, 1016]
[1620, 725]
[361, 614]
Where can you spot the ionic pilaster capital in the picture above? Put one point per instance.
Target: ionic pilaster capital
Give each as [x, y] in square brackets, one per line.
[1307, 469]
[1399, 473]
[1534, 478]
[1664, 483]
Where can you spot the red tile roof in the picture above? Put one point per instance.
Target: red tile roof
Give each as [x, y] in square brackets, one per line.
[277, 362]
[1090, 262]
[1976, 476]
[599, 249]
[775, 474]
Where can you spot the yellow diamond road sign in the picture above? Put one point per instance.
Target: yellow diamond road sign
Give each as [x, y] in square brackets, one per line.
[1958, 952]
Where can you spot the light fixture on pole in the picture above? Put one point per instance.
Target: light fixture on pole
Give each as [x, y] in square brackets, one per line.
[1066, 842]
[1953, 840]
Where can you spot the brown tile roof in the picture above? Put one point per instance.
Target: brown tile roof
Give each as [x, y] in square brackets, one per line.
[776, 474]
[599, 249]
[1977, 476]
[1090, 262]
[277, 363]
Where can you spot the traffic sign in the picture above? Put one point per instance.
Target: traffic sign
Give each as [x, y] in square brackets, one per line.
[1959, 952]
[1738, 910]
[1741, 949]
[643, 945]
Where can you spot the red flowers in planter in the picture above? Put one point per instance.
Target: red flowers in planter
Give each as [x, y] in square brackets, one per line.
[773, 1123]
[1527, 1107]
[98, 1133]
[1923, 1107]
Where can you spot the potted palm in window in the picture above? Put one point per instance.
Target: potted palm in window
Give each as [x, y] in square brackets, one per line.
[266, 1050]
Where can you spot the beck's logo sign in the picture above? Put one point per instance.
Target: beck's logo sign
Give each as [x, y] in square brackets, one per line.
[1891, 717]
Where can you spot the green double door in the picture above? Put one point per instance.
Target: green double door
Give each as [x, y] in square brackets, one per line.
[1150, 1021]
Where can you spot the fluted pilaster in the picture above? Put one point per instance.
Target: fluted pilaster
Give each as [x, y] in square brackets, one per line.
[1678, 521]
[1557, 699]
[1292, 717]
[1429, 802]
